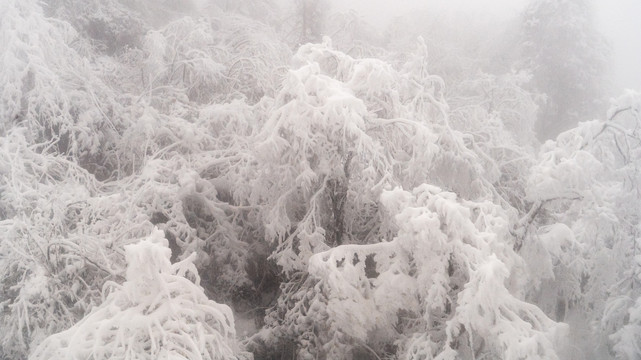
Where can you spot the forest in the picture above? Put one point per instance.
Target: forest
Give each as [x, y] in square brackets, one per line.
[275, 179]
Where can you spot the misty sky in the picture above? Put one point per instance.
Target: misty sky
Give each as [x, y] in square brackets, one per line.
[617, 19]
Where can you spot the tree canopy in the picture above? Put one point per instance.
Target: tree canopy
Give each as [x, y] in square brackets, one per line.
[257, 179]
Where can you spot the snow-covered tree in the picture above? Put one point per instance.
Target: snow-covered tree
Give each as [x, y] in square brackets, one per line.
[347, 104]
[159, 312]
[585, 196]
[446, 286]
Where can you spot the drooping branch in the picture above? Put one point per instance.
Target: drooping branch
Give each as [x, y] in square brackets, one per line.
[523, 225]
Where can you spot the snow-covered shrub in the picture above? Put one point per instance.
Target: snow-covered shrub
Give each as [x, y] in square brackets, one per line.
[254, 57]
[159, 312]
[217, 58]
[181, 56]
[50, 89]
[110, 25]
[171, 194]
[47, 275]
[448, 285]
[64, 230]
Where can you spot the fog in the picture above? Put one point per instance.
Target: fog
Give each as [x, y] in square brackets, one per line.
[618, 20]
[381, 11]
[320, 179]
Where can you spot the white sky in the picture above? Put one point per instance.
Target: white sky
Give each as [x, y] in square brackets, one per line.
[381, 11]
[619, 20]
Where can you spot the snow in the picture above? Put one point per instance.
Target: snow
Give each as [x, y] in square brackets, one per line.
[157, 313]
[372, 195]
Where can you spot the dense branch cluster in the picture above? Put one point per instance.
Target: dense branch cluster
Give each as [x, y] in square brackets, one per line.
[198, 180]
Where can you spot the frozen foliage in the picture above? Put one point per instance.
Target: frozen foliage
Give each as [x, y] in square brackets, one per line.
[109, 26]
[46, 272]
[50, 89]
[367, 125]
[625, 114]
[445, 287]
[64, 229]
[332, 161]
[181, 56]
[159, 312]
[588, 182]
[265, 173]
